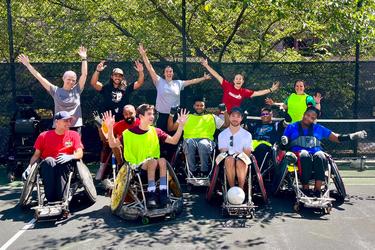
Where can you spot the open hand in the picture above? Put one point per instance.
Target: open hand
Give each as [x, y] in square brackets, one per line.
[138, 66]
[182, 117]
[82, 52]
[204, 62]
[24, 59]
[269, 101]
[142, 50]
[100, 67]
[275, 86]
[108, 119]
[206, 76]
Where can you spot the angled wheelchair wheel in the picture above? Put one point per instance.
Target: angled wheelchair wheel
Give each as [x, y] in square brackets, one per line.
[213, 184]
[337, 180]
[29, 186]
[174, 184]
[259, 177]
[121, 188]
[85, 177]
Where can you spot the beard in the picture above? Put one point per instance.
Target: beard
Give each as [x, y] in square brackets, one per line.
[129, 120]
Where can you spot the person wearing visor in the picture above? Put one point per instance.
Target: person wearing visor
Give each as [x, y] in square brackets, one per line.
[59, 149]
[234, 93]
[235, 140]
[265, 134]
[304, 139]
[67, 98]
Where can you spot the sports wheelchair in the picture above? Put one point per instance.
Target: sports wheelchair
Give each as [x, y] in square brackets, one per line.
[128, 199]
[181, 166]
[254, 187]
[79, 178]
[287, 179]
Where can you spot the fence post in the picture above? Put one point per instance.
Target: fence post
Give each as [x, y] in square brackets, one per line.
[12, 71]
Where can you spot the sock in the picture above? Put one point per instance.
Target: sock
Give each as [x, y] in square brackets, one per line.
[163, 183]
[151, 186]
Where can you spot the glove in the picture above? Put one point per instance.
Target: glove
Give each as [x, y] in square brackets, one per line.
[358, 135]
[97, 119]
[284, 140]
[63, 158]
[174, 110]
[222, 107]
[26, 173]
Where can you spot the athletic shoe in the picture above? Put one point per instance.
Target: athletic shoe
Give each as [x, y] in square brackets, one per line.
[151, 200]
[164, 199]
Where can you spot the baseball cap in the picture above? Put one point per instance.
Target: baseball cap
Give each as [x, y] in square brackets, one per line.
[236, 109]
[62, 115]
[117, 71]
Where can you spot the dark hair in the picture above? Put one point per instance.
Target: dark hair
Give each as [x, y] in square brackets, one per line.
[200, 98]
[168, 66]
[295, 83]
[141, 110]
[313, 109]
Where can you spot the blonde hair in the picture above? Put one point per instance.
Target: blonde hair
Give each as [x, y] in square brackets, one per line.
[69, 73]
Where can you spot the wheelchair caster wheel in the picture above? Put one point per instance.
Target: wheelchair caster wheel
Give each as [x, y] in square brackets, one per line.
[327, 210]
[172, 216]
[296, 207]
[145, 220]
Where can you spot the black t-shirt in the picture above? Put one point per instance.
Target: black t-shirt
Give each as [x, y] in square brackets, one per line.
[116, 98]
[266, 132]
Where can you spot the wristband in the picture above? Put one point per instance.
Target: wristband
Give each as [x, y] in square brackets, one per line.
[270, 90]
[84, 59]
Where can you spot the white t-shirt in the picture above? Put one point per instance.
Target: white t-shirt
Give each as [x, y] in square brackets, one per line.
[241, 140]
[168, 94]
[218, 121]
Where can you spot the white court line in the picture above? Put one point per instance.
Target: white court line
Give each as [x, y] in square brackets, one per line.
[29, 225]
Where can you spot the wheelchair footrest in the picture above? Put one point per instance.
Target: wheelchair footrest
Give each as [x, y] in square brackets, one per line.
[50, 212]
[239, 210]
[198, 181]
[314, 202]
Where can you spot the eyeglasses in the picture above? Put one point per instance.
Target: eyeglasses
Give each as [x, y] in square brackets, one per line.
[265, 114]
[231, 140]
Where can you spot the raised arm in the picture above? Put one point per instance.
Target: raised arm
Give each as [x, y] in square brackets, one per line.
[148, 65]
[109, 121]
[95, 77]
[213, 72]
[346, 137]
[141, 76]
[24, 59]
[197, 80]
[82, 79]
[271, 102]
[318, 98]
[275, 87]
[172, 126]
[182, 117]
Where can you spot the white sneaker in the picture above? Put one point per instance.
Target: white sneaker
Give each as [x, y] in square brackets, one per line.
[108, 184]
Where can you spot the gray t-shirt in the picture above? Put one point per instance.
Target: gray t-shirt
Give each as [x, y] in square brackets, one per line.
[168, 94]
[69, 101]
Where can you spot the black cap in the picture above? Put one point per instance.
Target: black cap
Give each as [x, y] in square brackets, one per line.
[236, 109]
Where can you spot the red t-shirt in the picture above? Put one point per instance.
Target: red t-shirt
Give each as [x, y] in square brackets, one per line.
[121, 126]
[51, 144]
[161, 134]
[233, 97]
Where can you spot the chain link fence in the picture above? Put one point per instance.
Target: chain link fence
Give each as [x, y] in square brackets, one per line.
[334, 79]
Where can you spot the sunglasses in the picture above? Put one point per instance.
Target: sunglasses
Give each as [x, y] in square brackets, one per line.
[265, 114]
[231, 140]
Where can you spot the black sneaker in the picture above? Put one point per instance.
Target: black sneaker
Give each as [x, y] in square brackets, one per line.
[205, 174]
[164, 199]
[151, 200]
[306, 192]
[317, 193]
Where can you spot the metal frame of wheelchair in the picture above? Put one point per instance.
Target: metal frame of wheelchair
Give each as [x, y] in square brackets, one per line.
[244, 210]
[290, 181]
[191, 180]
[128, 199]
[47, 211]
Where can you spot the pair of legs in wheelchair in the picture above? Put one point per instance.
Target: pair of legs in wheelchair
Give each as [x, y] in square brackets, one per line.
[55, 177]
[205, 148]
[235, 168]
[313, 165]
[152, 199]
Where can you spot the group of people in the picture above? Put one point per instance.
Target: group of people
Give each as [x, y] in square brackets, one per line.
[130, 133]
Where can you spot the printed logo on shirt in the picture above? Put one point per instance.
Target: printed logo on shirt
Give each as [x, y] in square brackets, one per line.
[116, 96]
[68, 144]
[235, 96]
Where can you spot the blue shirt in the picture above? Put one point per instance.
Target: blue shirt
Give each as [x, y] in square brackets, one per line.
[320, 132]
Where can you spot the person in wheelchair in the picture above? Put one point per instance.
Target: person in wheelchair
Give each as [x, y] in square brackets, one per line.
[59, 149]
[129, 121]
[235, 140]
[198, 135]
[304, 139]
[142, 142]
[265, 134]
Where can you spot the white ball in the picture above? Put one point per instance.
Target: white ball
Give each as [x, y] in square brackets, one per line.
[236, 196]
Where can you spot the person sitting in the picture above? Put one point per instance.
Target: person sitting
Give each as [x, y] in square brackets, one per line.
[129, 121]
[59, 149]
[143, 142]
[198, 135]
[265, 134]
[304, 138]
[235, 141]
